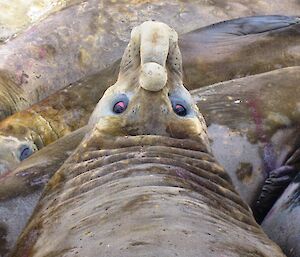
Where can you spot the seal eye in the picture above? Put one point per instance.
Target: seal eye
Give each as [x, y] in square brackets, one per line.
[120, 103]
[25, 152]
[180, 106]
[180, 110]
[120, 107]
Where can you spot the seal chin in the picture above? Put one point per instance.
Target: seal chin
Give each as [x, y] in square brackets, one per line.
[153, 76]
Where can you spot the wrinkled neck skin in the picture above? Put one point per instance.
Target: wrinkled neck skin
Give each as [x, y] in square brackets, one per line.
[12, 98]
[143, 181]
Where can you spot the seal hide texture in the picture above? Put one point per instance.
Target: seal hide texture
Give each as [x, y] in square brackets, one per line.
[143, 182]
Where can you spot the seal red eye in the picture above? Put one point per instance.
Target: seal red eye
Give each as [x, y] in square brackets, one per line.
[120, 107]
[180, 110]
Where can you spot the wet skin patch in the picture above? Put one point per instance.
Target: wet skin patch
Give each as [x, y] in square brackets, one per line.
[282, 222]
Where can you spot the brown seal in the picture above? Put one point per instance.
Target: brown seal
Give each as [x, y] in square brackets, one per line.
[143, 181]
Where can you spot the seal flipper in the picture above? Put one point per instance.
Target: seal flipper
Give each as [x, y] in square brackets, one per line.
[272, 189]
[278, 180]
[253, 25]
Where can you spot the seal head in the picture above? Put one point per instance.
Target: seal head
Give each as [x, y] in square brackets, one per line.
[149, 97]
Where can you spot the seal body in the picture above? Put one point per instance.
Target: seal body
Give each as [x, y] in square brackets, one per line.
[252, 132]
[143, 182]
[253, 123]
[238, 48]
[20, 190]
[141, 204]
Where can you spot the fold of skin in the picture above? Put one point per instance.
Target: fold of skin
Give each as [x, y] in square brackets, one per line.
[282, 223]
[211, 54]
[63, 50]
[143, 182]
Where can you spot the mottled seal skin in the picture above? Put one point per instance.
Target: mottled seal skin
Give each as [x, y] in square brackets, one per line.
[27, 131]
[38, 126]
[63, 50]
[143, 182]
[11, 96]
[282, 223]
[17, 15]
[254, 126]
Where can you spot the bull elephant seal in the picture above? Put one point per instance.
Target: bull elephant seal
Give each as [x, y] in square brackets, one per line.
[65, 111]
[143, 181]
[253, 133]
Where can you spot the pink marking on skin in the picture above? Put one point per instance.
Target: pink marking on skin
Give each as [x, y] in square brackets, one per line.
[181, 174]
[268, 151]
[257, 117]
[26, 254]
[42, 53]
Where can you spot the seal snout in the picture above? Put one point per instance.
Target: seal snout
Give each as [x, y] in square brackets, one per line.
[153, 76]
[154, 49]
